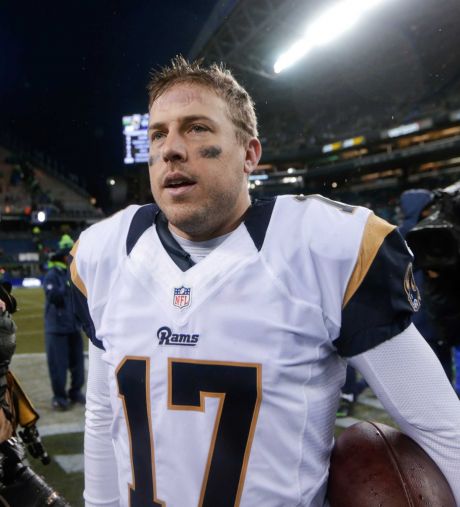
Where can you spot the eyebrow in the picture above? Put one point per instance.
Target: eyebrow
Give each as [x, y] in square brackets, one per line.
[183, 119]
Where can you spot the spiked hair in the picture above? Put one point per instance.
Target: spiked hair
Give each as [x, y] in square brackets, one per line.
[215, 77]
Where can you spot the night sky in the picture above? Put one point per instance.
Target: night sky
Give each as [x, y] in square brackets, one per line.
[69, 71]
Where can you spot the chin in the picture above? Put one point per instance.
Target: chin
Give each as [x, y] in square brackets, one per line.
[187, 218]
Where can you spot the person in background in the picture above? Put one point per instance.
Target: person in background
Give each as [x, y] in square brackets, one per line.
[415, 205]
[66, 242]
[63, 339]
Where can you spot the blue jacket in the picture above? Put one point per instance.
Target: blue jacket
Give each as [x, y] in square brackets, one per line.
[59, 315]
[412, 203]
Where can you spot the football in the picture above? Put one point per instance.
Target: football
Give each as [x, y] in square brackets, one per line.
[374, 465]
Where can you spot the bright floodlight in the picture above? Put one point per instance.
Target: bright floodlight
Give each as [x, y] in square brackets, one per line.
[365, 5]
[328, 26]
[294, 53]
[332, 23]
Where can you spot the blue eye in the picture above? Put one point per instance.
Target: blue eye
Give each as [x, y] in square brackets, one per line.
[156, 136]
[199, 128]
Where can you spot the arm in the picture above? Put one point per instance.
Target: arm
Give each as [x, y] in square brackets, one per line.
[54, 289]
[101, 478]
[409, 381]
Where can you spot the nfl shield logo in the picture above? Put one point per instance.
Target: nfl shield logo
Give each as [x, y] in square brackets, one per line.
[182, 297]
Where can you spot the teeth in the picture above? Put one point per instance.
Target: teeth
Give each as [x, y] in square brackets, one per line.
[177, 183]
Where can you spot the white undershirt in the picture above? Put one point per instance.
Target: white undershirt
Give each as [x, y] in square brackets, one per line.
[198, 250]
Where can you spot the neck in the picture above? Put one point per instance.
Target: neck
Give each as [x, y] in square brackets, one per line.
[219, 230]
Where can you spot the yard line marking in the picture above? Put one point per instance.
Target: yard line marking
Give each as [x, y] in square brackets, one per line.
[345, 422]
[31, 355]
[61, 429]
[28, 333]
[27, 306]
[370, 402]
[30, 316]
[70, 463]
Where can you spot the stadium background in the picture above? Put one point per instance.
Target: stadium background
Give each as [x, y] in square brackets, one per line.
[360, 120]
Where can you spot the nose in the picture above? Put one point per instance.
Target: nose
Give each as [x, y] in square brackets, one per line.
[173, 148]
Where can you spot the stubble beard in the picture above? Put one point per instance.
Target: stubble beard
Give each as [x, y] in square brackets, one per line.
[203, 219]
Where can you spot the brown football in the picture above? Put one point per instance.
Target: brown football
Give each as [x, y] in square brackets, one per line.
[374, 465]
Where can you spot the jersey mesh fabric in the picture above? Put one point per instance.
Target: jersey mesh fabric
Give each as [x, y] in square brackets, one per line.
[101, 484]
[418, 396]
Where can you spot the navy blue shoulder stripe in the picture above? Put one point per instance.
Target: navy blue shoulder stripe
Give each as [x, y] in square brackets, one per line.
[81, 311]
[381, 307]
[141, 221]
[257, 219]
[181, 258]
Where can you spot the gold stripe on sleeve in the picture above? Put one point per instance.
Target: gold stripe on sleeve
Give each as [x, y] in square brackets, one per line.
[76, 280]
[375, 232]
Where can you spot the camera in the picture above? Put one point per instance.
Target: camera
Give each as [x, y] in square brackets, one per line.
[435, 240]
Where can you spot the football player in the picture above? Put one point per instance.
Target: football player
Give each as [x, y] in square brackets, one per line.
[220, 327]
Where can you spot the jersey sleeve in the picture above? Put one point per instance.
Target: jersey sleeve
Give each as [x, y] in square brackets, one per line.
[101, 474]
[381, 294]
[80, 299]
[418, 397]
[95, 258]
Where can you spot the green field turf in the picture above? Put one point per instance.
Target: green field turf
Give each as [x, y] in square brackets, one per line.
[29, 319]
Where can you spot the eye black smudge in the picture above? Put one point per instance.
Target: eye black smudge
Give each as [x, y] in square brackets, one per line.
[210, 151]
[153, 160]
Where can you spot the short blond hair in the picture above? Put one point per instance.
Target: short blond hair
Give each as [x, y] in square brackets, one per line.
[215, 77]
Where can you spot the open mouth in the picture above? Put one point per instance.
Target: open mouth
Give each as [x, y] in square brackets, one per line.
[178, 185]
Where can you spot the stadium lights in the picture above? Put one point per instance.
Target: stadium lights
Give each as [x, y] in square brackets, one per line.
[328, 26]
[39, 217]
[31, 282]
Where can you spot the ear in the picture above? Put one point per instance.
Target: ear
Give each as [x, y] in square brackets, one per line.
[253, 154]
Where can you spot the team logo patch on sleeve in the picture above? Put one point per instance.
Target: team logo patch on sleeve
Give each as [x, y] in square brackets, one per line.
[182, 297]
[412, 292]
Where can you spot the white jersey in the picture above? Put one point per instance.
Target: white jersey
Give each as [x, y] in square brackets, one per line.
[224, 376]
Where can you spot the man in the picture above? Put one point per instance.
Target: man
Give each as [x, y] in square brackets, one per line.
[63, 340]
[218, 325]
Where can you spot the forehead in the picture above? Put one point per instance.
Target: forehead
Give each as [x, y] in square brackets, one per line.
[188, 98]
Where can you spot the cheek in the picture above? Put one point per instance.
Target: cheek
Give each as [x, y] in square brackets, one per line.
[210, 152]
[153, 158]
[154, 178]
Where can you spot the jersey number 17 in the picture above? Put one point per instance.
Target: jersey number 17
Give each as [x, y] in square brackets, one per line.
[238, 389]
